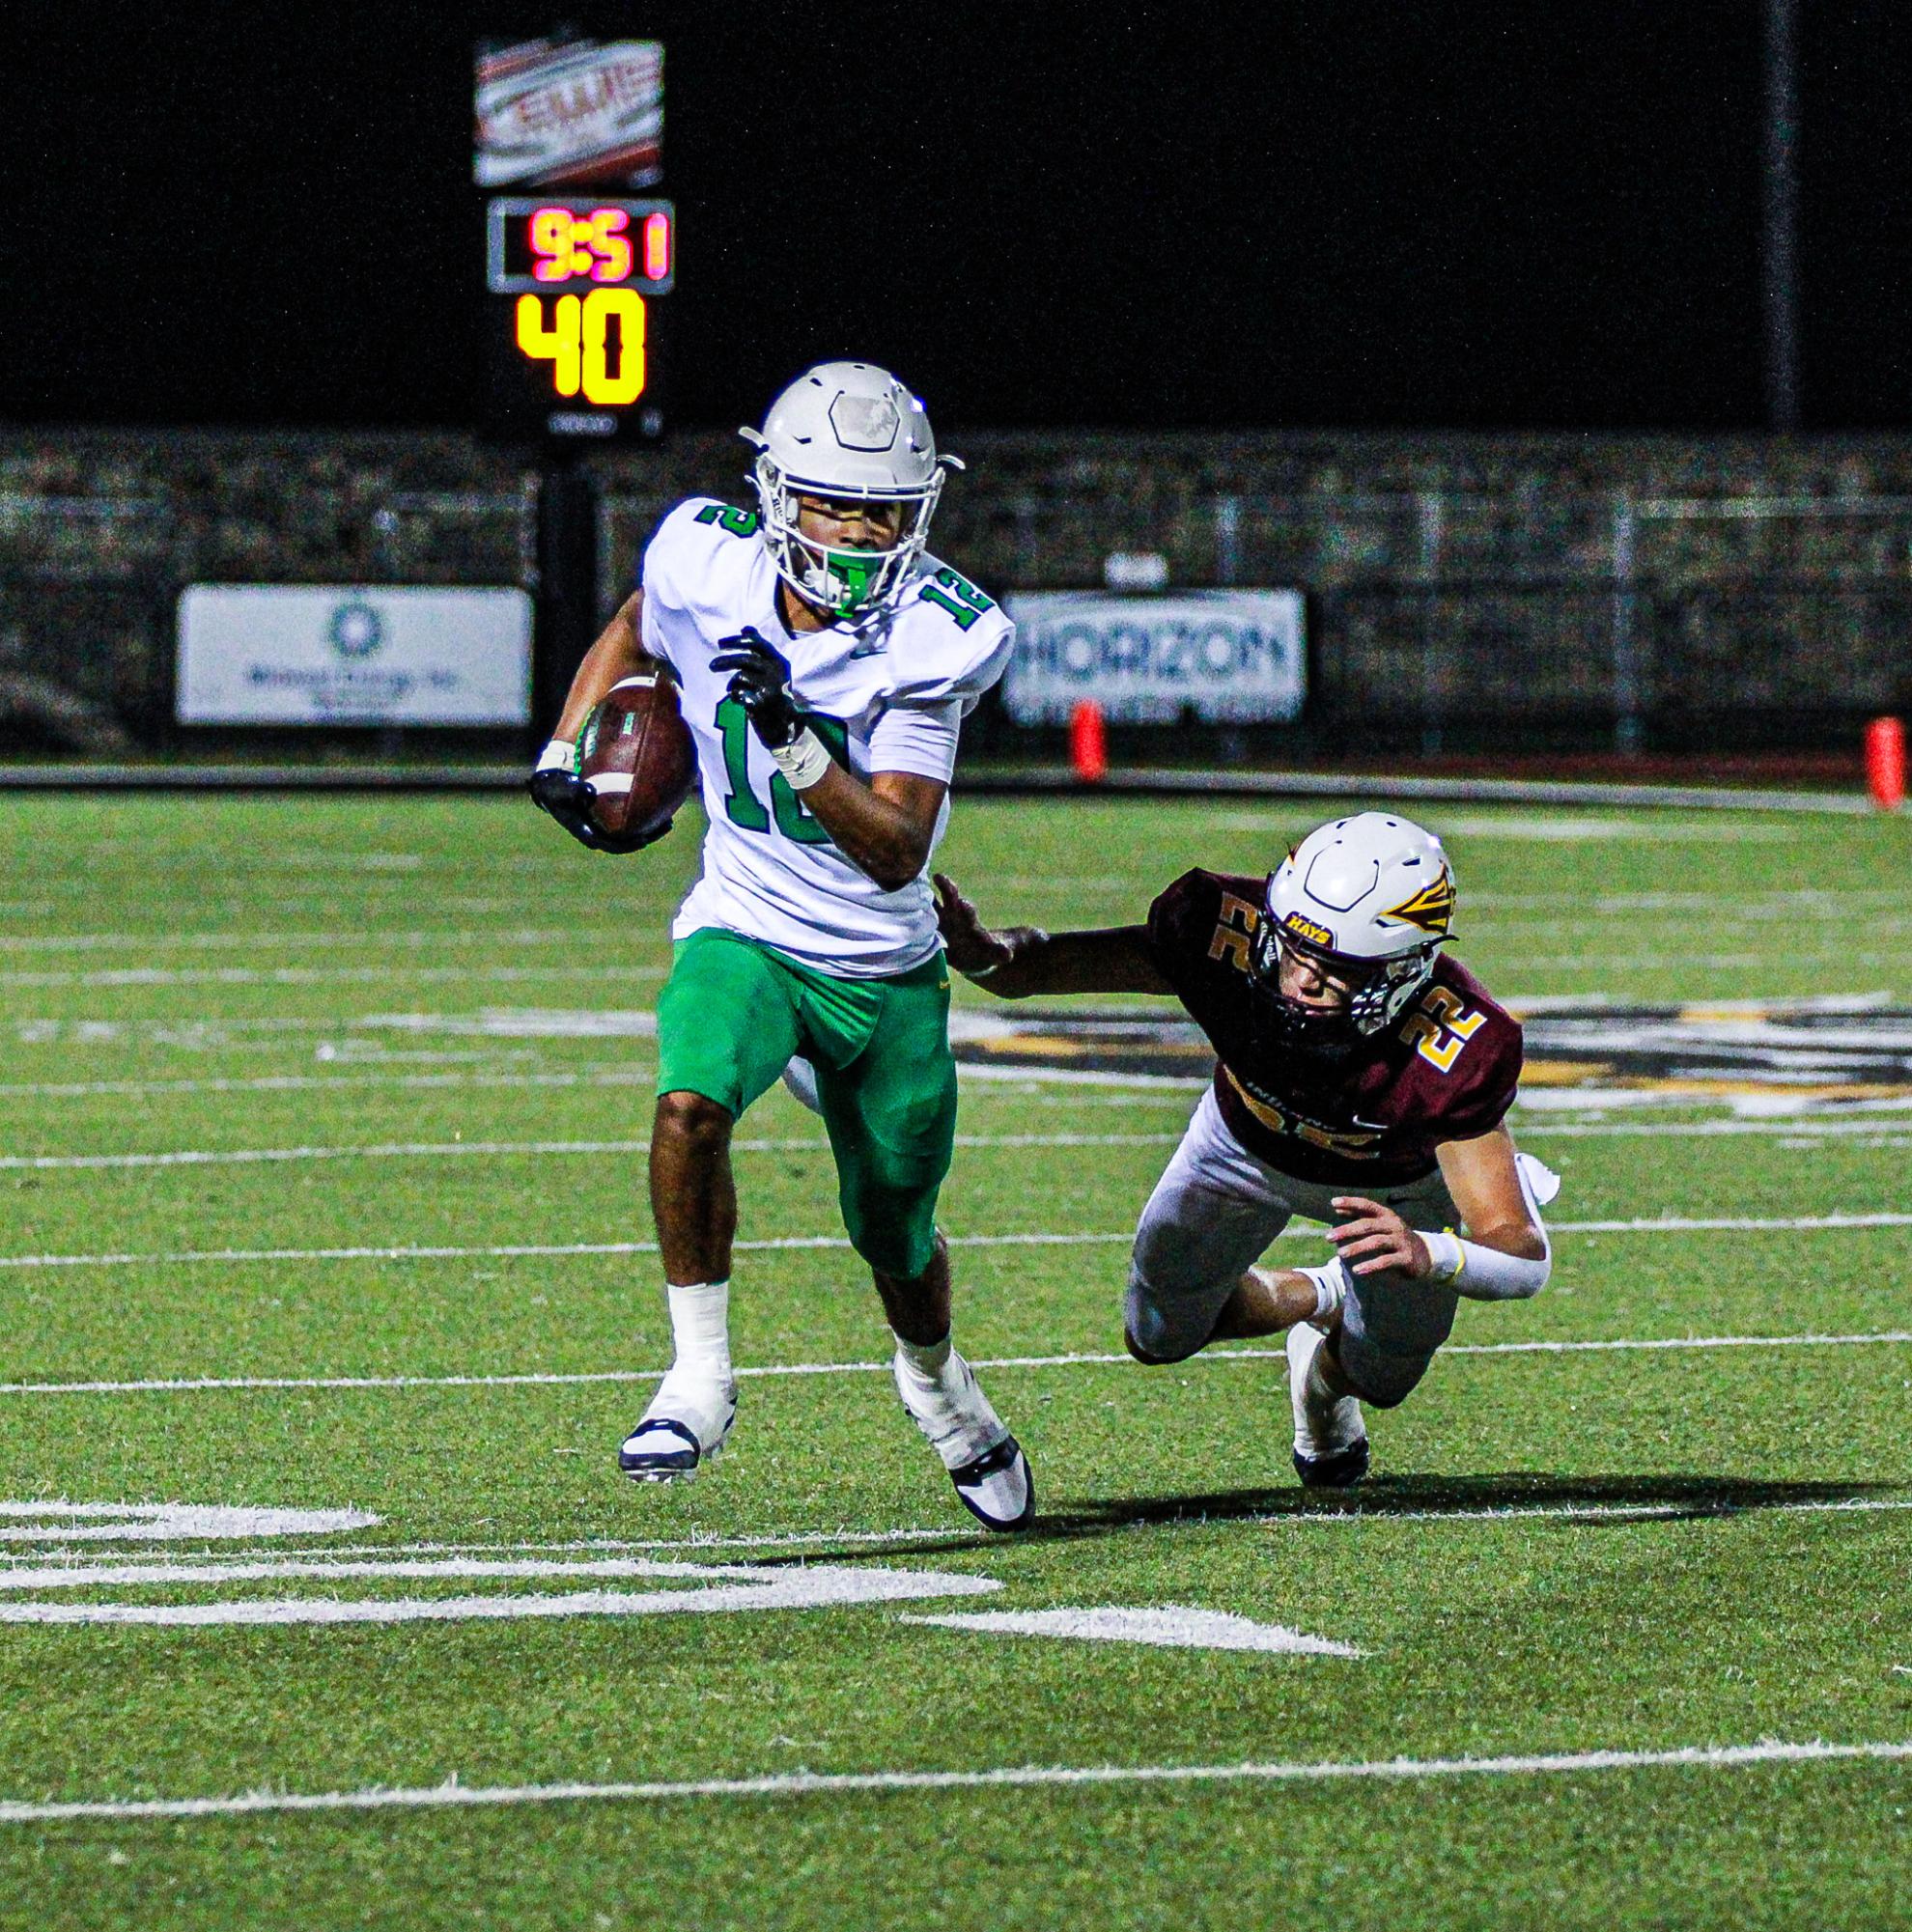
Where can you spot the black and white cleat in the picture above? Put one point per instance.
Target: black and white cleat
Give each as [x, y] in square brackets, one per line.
[1341, 1469]
[664, 1449]
[996, 1488]
[1331, 1439]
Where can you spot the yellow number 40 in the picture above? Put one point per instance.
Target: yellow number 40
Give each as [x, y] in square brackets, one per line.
[576, 344]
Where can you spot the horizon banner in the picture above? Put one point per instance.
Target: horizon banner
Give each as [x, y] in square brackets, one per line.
[569, 112]
[343, 655]
[1226, 657]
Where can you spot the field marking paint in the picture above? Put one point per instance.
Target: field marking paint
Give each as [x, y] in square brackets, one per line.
[1801, 1126]
[791, 1243]
[404, 969]
[415, 936]
[77, 1567]
[730, 1588]
[110, 1569]
[560, 1378]
[818, 1784]
[434, 1150]
[1174, 1626]
[1576, 1512]
[260, 1083]
[62, 1522]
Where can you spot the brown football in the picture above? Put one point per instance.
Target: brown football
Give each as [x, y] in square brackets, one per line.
[637, 755]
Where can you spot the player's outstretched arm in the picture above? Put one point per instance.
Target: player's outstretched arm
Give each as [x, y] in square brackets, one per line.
[1024, 960]
[1504, 1256]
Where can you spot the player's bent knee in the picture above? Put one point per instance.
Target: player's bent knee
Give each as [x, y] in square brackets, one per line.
[1151, 1332]
[892, 1227]
[1380, 1381]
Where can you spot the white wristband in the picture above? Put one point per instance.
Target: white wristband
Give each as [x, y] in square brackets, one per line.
[803, 760]
[558, 756]
[1330, 1289]
[1444, 1249]
[1485, 1274]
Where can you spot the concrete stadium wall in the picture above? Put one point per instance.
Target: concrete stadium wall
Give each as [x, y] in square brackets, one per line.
[1464, 591]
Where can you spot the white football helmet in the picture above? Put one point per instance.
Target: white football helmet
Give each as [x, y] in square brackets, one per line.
[848, 431]
[1371, 900]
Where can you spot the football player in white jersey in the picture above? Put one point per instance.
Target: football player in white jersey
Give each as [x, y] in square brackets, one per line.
[824, 664]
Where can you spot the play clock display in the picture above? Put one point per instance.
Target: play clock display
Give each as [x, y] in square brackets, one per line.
[572, 312]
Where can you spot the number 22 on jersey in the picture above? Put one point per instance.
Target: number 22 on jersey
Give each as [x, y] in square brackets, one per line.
[1440, 1026]
[745, 809]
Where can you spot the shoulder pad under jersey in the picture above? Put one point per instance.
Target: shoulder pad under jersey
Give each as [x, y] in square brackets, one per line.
[697, 534]
[949, 640]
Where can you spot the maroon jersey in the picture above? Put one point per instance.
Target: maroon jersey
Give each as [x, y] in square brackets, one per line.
[1445, 1070]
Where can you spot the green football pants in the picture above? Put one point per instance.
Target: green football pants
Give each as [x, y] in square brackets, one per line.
[734, 1012]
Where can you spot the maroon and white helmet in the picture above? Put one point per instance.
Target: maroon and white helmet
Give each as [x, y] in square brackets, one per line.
[1369, 898]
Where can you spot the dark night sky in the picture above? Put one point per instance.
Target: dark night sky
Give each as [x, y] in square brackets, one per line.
[1352, 212]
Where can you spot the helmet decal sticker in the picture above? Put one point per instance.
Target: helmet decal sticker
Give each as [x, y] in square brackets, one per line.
[864, 422]
[1431, 909]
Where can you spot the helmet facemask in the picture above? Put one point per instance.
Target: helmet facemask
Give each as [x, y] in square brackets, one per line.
[1378, 991]
[841, 580]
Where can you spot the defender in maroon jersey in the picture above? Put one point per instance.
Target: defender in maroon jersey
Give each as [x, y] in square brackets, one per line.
[1361, 1079]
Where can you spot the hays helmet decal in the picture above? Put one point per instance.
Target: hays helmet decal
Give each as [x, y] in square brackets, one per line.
[851, 432]
[1370, 900]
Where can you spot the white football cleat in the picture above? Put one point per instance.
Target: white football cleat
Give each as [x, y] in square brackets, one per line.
[684, 1429]
[1331, 1439]
[984, 1460]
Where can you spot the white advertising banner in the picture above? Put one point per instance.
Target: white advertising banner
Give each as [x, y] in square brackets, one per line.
[305, 654]
[1228, 657]
[569, 112]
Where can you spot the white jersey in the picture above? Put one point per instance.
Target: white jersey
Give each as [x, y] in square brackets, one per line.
[890, 699]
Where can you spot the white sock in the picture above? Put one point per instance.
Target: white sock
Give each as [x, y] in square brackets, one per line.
[940, 1389]
[926, 1360]
[1330, 1291]
[700, 1328]
[1335, 1416]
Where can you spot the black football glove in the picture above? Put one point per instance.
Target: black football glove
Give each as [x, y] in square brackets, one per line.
[568, 798]
[760, 682]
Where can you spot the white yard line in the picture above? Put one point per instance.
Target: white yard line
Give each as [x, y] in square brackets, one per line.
[266, 1084]
[813, 1783]
[803, 1586]
[399, 969]
[332, 943]
[1791, 1125]
[533, 1250]
[430, 1150]
[555, 1378]
[75, 1567]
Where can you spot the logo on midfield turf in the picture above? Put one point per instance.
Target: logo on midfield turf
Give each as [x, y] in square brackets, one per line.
[1775, 1058]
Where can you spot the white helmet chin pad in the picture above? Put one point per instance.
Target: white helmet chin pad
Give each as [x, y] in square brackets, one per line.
[851, 431]
[1372, 895]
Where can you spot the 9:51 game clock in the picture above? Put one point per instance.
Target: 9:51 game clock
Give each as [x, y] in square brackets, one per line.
[570, 314]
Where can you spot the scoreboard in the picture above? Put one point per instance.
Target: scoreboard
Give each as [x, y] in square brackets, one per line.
[570, 314]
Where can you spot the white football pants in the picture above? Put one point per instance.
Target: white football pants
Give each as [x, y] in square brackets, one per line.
[1214, 1213]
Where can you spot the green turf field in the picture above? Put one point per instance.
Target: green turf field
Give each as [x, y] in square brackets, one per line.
[324, 1174]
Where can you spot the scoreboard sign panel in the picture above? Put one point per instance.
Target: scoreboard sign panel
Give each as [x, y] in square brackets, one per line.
[572, 284]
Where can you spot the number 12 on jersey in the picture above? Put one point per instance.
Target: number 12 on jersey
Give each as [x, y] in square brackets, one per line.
[745, 809]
